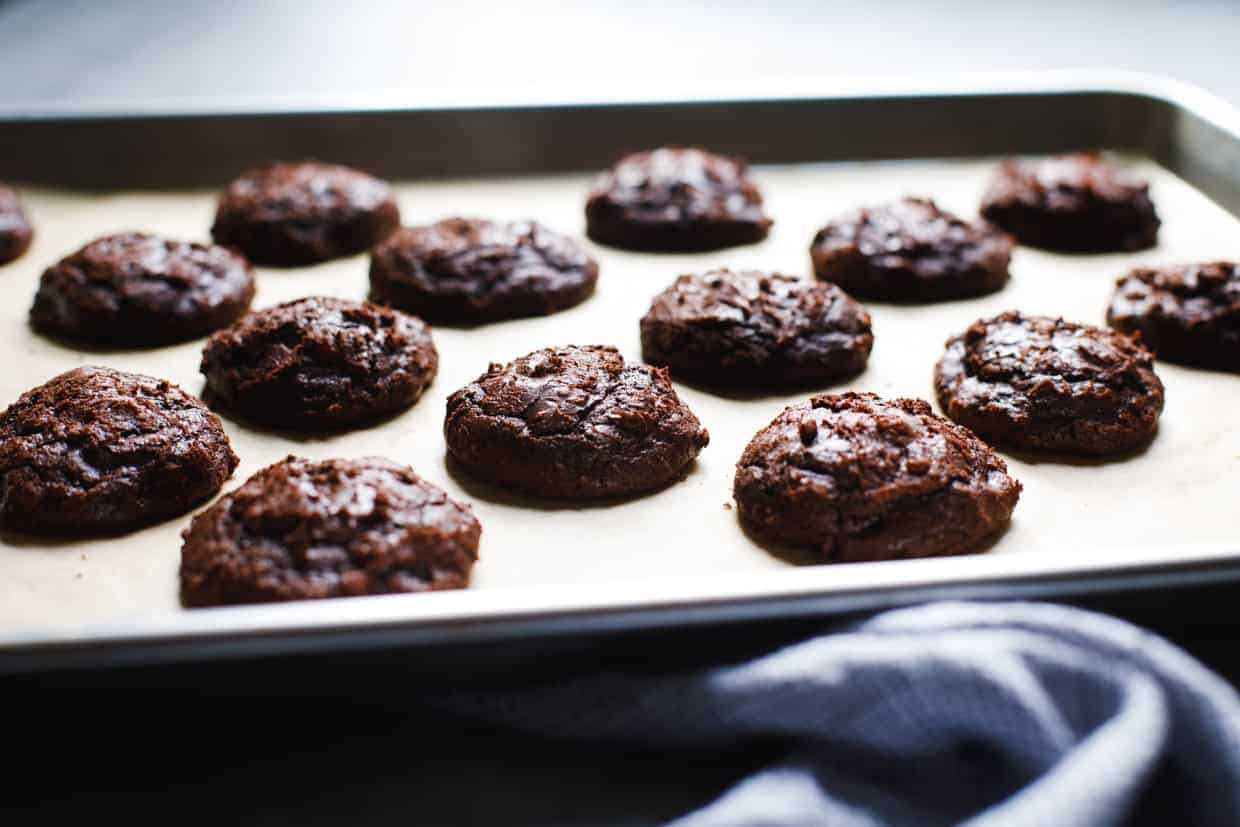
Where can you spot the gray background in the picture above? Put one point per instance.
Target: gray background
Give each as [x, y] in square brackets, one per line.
[277, 746]
[83, 52]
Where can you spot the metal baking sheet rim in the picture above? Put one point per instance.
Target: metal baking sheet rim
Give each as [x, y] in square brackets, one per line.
[498, 614]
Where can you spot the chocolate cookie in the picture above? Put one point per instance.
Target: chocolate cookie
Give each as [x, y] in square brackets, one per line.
[676, 200]
[469, 271]
[573, 423]
[319, 363]
[136, 289]
[15, 230]
[286, 215]
[98, 451]
[753, 329]
[1189, 313]
[302, 529]
[1040, 384]
[1073, 203]
[911, 251]
[856, 478]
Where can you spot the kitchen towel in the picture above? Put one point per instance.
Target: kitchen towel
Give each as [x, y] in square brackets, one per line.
[948, 713]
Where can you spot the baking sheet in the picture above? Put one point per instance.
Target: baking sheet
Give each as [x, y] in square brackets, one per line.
[1176, 497]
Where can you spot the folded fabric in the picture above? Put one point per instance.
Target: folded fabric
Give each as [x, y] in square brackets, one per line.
[949, 713]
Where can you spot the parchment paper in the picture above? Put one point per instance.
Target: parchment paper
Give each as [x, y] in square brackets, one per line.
[1181, 490]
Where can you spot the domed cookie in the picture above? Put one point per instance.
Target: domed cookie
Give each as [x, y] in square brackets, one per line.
[856, 478]
[471, 271]
[319, 363]
[911, 251]
[292, 214]
[1187, 313]
[1036, 383]
[15, 230]
[99, 451]
[1072, 203]
[303, 529]
[676, 200]
[573, 423]
[756, 329]
[134, 289]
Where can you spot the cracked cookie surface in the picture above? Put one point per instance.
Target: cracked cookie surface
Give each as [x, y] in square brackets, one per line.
[855, 477]
[470, 271]
[1186, 313]
[1037, 383]
[303, 529]
[1078, 203]
[319, 363]
[99, 451]
[675, 199]
[139, 290]
[753, 329]
[911, 251]
[292, 214]
[574, 423]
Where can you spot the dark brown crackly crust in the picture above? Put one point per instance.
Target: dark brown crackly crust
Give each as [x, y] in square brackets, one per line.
[98, 451]
[301, 529]
[470, 271]
[573, 423]
[15, 230]
[676, 200]
[293, 214]
[1187, 313]
[754, 329]
[319, 363]
[858, 478]
[911, 251]
[140, 290]
[1035, 383]
[1072, 203]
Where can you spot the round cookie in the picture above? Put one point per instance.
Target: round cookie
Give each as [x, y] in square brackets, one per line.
[857, 478]
[303, 529]
[1072, 203]
[1035, 383]
[319, 363]
[470, 271]
[1187, 313]
[755, 329]
[293, 214]
[99, 451]
[573, 423]
[139, 290]
[911, 251]
[15, 230]
[676, 200]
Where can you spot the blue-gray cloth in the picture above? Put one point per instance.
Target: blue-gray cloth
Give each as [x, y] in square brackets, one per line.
[950, 713]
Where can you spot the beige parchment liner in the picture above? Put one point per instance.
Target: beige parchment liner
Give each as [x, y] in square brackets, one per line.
[1182, 490]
